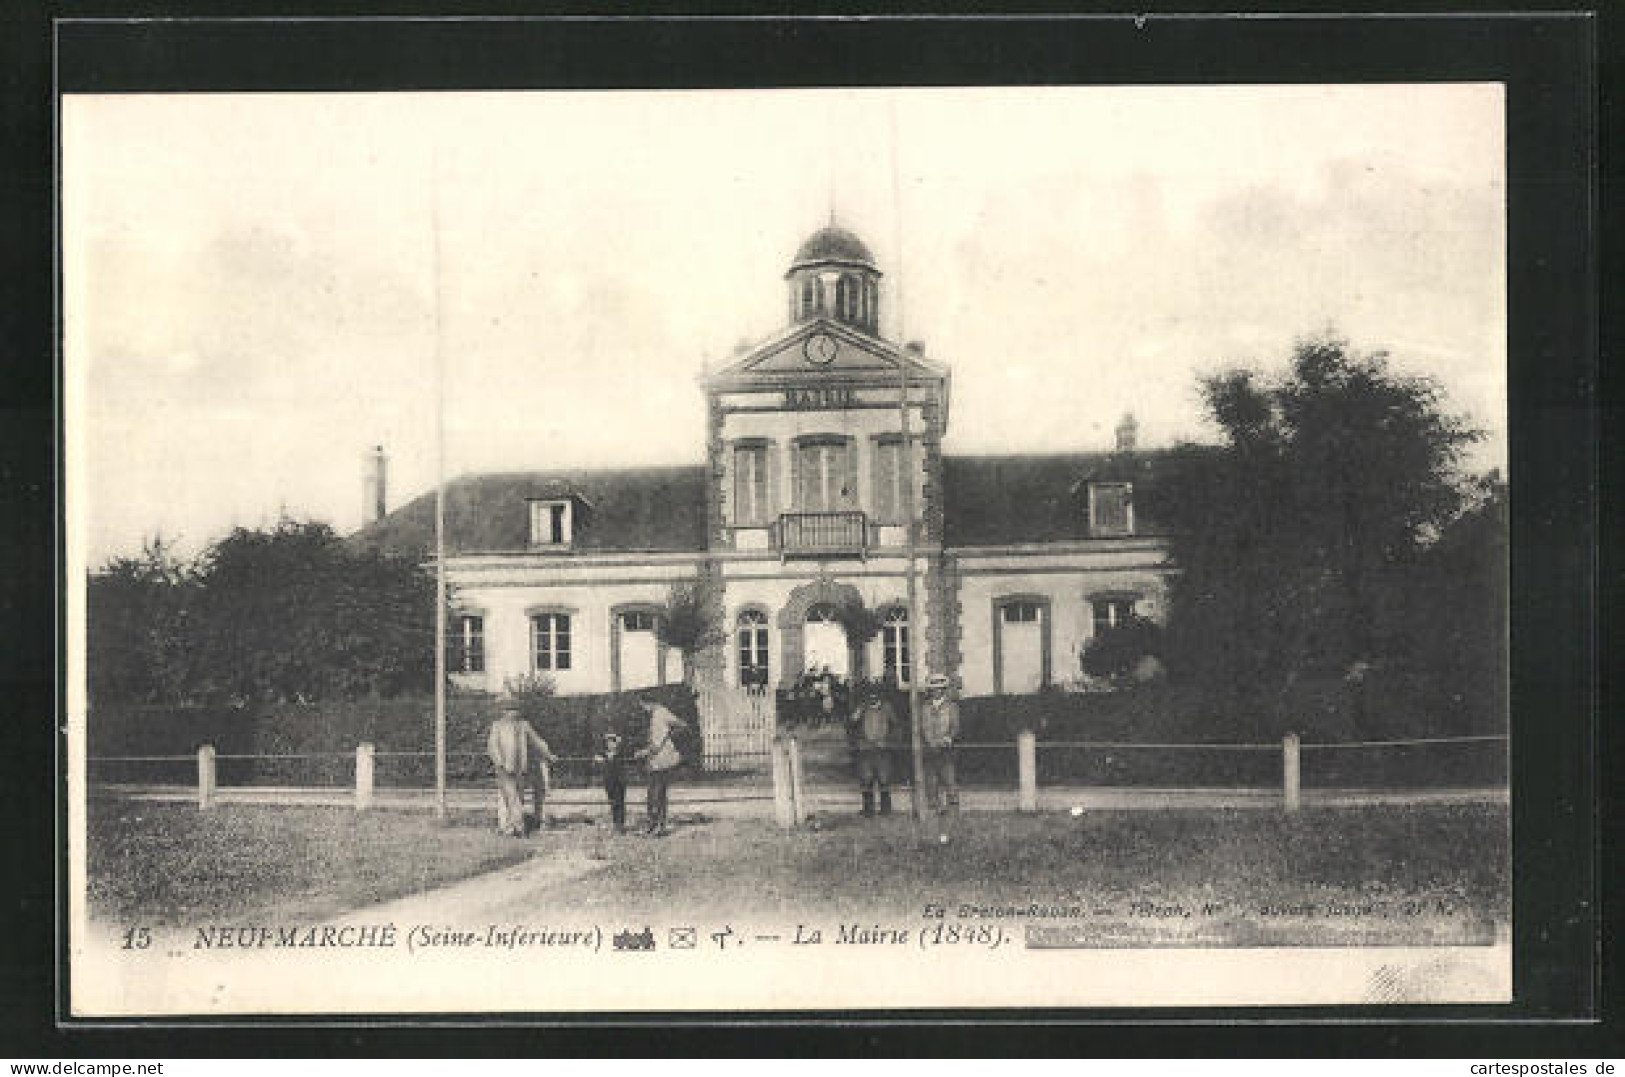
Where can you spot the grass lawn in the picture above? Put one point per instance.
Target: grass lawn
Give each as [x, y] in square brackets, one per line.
[170, 863]
[1380, 875]
[1329, 876]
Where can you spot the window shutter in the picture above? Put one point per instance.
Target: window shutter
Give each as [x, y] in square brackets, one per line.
[771, 458]
[730, 479]
[877, 478]
[849, 475]
[798, 489]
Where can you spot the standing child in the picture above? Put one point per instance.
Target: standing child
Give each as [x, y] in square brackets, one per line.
[615, 759]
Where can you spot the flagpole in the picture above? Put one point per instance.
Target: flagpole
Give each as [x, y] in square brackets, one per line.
[907, 469]
[439, 514]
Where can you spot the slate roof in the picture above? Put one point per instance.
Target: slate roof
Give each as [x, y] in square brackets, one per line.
[992, 501]
[1005, 500]
[631, 509]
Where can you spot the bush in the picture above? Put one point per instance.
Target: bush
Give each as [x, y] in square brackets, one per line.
[572, 726]
[1114, 652]
[1382, 707]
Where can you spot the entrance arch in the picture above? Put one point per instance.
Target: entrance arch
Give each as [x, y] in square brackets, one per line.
[825, 642]
[793, 648]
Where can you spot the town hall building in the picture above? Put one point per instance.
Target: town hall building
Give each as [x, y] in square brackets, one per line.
[798, 508]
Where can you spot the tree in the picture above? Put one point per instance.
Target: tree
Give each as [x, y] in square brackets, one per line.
[1457, 612]
[264, 615]
[690, 621]
[140, 627]
[292, 613]
[1297, 537]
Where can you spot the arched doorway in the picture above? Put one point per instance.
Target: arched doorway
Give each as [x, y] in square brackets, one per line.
[825, 641]
[794, 623]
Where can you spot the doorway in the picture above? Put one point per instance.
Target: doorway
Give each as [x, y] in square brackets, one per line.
[825, 642]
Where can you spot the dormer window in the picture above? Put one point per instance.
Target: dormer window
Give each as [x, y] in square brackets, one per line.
[1111, 508]
[551, 523]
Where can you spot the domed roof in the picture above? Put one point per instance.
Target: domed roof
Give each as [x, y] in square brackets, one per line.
[833, 243]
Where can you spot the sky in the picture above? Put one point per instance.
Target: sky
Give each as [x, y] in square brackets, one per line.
[256, 288]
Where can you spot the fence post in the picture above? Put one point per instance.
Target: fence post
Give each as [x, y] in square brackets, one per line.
[784, 809]
[1027, 771]
[1290, 773]
[363, 776]
[205, 777]
[798, 788]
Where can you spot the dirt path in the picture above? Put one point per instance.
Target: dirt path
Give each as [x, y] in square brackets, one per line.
[497, 896]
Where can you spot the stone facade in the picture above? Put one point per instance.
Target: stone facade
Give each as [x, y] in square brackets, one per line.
[807, 490]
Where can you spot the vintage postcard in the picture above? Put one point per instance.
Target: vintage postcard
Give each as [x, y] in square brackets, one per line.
[758, 550]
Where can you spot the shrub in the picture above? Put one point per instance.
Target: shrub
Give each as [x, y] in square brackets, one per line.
[330, 730]
[1115, 651]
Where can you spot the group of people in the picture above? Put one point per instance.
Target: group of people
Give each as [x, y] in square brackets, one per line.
[873, 729]
[519, 756]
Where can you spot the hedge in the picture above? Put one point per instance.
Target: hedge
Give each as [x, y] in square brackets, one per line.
[1325, 709]
[1321, 711]
[572, 725]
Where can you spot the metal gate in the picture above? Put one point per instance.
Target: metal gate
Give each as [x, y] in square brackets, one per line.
[736, 728]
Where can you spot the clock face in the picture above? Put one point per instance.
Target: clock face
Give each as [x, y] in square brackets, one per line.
[820, 349]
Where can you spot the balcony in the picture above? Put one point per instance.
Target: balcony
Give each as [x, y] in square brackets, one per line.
[822, 534]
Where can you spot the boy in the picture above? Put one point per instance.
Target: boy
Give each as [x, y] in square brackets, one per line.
[615, 759]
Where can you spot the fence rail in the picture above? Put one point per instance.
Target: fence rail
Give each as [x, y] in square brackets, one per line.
[782, 758]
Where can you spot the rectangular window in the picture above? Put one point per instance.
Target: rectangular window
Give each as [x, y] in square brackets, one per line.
[550, 638]
[1112, 613]
[465, 644]
[550, 523]
[638, 621]
[1020, 612]
[750, 485]
[894, 653]
[1111, 508]
[825, 477]
[752, 656]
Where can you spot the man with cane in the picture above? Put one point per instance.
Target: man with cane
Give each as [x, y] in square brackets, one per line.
[939, 728]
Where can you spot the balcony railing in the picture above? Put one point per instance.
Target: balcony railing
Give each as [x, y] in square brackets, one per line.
[822, 534]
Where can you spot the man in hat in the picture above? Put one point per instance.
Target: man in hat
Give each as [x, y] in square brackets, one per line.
[939, 728]
[509, 750]
[517, 752]
[872, 726]
[662, 757]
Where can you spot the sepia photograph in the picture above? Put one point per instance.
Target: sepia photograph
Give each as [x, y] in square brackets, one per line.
[758, 550]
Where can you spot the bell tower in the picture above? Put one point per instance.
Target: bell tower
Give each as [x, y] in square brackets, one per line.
[834, 276]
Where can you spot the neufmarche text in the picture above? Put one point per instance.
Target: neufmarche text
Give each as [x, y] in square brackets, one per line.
[316, 936]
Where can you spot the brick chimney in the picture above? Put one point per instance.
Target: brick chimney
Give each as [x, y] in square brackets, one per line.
[1126, 429]
[373, 488]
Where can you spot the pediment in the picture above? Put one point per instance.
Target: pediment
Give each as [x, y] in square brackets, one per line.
[823, 348]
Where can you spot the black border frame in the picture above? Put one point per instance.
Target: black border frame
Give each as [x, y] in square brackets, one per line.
[1549, 62]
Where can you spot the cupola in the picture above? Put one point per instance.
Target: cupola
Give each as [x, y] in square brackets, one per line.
[834, 276]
